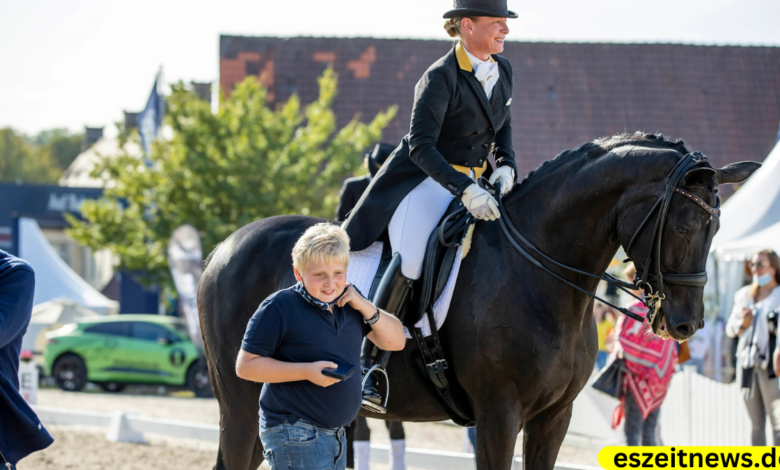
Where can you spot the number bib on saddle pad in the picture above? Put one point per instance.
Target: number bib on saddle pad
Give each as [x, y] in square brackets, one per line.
[362, 269]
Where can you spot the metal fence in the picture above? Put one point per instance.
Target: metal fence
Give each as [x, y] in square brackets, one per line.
[700, 411]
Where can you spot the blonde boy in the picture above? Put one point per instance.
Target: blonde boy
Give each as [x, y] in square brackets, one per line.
[296, 333]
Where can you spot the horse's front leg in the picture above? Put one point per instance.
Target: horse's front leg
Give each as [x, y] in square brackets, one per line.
[543, 437]
[497, 429]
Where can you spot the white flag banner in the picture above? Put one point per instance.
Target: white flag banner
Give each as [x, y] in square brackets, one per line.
[185, 258]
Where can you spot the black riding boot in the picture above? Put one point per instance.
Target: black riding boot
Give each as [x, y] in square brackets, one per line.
[390, 296]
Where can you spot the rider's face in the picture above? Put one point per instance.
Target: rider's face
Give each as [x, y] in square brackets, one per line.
[484, 35]
[323, 281]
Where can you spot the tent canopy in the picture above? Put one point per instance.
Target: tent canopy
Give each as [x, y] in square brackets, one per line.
[53, 278]
[755, 207]
[59, 311]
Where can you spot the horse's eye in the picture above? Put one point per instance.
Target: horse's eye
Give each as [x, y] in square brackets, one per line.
[681, 230]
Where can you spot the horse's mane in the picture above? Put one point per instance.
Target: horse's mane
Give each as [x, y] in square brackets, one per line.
[598, 148]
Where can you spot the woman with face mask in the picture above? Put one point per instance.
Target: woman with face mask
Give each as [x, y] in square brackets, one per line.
[748, 321]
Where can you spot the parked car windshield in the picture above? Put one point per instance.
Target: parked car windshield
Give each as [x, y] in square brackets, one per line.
[150, 332]
[120, 328]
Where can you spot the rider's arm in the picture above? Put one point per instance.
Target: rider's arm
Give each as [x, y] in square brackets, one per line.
[268, 370]
[431, 100]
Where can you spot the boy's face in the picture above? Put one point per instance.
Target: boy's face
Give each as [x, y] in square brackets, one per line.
[323, 281]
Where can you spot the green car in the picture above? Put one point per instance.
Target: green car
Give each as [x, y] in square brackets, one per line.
[116, 350]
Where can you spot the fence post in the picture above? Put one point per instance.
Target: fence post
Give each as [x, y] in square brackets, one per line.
[688, 372]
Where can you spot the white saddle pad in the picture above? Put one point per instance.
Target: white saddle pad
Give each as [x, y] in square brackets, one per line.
[362, 269]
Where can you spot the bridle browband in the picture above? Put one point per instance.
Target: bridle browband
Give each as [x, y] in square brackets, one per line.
[653, 297]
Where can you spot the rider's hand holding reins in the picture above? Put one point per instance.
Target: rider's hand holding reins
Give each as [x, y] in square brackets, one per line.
[480, 203]
[504, 175]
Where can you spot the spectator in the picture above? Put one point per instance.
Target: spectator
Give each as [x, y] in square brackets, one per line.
[748, 321]
[298, 332]
[605, 324]
[21, 433]
[650, 363]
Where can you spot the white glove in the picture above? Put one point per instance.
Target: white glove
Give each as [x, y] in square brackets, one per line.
[506, 176]
[480, 203]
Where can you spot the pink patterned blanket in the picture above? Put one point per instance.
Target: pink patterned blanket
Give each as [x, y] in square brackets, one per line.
[650, 362]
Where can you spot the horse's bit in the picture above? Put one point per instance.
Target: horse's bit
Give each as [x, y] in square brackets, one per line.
[653, 297]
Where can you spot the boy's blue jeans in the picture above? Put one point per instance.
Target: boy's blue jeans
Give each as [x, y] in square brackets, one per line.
[304, 446]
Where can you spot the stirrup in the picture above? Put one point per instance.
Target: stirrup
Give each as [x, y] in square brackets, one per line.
[373, 407]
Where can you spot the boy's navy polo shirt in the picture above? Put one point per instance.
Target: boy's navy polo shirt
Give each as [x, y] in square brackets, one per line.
[288, 328]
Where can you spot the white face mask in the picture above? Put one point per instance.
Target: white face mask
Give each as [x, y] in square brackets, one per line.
[762, 280]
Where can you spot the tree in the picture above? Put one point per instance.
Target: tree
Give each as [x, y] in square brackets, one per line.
[62, 146]
[222, 171]
[23, 162]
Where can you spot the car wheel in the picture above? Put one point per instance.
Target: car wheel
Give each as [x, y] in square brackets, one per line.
[112, 387]
[198, 379]
[70, 373]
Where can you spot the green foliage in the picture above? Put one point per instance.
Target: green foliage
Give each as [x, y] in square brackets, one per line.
[62, 146]
[40, 159]
[222, 171]
[24, 162]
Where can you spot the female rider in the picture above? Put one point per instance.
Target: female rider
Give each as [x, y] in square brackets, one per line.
[461, 115]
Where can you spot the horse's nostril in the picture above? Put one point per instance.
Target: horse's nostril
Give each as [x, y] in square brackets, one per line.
[686, 329]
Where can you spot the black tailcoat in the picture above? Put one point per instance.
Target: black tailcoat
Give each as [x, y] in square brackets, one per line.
[350, 194]
[452, 123]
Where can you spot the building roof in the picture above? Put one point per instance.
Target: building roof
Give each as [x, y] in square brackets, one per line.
[722, 100]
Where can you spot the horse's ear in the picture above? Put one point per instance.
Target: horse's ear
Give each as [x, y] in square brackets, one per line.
[698, 177]
[736, 172]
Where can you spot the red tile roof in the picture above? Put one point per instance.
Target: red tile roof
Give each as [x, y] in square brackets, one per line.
[722, 100]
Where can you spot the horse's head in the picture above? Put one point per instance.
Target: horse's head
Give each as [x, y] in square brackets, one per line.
[666, 225]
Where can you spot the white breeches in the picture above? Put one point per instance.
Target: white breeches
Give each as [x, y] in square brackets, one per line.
[414, 220]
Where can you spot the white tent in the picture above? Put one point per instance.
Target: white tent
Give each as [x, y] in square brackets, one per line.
[755, 206]
[750, 221]
[53, 278]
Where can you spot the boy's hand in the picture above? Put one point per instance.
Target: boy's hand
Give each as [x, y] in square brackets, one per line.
[353, 297]
[315, 373]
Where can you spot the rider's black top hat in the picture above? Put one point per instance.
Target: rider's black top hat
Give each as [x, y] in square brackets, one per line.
[376, 157]
[496, 8]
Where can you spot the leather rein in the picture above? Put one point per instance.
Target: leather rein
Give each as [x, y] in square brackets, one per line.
[653, 296]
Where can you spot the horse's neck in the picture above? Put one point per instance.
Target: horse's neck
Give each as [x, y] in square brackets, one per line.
[570, 215]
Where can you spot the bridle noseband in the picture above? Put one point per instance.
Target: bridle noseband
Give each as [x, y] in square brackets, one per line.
[645, 281]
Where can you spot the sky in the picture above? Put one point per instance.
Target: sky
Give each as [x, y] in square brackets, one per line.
[71, 63]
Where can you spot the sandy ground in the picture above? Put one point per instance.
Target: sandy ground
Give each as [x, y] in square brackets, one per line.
[86, 448]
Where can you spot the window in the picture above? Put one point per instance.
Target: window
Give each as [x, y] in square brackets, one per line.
[149, 332]
[120, 328]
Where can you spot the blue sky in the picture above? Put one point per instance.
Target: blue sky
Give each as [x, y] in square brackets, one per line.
[70, 63]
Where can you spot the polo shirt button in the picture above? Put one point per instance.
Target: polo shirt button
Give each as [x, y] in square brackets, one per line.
[484, 146]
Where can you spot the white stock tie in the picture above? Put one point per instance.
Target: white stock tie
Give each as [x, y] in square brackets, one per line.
[487, 74]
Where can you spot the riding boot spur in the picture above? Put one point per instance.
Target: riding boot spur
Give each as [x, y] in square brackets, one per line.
[390, 296]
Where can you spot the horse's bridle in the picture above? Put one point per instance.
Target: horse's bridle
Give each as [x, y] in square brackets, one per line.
[653, 296]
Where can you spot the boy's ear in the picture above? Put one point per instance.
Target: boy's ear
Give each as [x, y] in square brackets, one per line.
[297, 274]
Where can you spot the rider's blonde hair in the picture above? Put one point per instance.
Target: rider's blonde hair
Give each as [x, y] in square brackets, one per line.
[323, 242]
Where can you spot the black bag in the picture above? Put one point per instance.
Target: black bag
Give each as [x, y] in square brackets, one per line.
[610, 379]
[771, 319]
[747, 373]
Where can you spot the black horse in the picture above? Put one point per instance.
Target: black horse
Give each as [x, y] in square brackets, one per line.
[522, 344]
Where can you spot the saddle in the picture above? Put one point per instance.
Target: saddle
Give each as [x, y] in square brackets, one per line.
[440, 254]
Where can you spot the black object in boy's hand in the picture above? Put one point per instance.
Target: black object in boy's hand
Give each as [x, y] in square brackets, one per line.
[342, 372]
